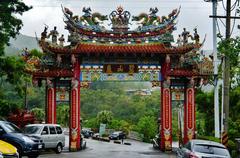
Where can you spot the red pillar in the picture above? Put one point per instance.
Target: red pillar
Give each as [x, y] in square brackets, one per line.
[51, 102]
[166, 117]
[75, 128]
[189, 113]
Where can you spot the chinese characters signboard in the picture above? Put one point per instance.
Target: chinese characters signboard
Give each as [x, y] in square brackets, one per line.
[120, 68]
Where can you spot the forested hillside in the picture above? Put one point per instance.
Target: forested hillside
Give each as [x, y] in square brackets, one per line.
[19, 43]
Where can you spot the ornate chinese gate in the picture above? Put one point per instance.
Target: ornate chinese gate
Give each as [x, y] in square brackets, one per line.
[147, 53]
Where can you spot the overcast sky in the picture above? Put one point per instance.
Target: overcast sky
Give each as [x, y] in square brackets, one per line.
[194, 13]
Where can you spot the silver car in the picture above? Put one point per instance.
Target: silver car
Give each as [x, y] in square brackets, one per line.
[203, 149]
[51, 134]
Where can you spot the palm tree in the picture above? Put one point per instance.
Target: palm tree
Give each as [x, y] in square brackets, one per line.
[104, 117]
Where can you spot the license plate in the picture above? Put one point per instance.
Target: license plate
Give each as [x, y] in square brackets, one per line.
[40, 146]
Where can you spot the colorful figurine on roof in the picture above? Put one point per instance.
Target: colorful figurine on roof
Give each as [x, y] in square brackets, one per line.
[54, 33]
[148, 19]
[44, 33]
[61, 40]
[92, 19]
[120, 20]
[196, 36]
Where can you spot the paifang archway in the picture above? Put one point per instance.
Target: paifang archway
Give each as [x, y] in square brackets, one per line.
[147, 53]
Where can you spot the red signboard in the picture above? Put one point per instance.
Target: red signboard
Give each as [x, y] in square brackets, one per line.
[190, 108]
[73, 113]
[166, 108]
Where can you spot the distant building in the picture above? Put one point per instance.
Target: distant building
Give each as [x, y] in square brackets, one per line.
[141, 92]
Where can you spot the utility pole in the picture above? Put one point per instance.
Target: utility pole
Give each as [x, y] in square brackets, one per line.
[215, 61]
[226, 73]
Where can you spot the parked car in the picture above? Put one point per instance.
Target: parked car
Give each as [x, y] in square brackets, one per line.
[26, 145]
[87, 133]
[203, 149]
[7, 150]
[117, 135]
[51, 134]
[96, 135]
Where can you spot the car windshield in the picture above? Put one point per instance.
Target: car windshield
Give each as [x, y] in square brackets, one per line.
[32, 130]
[115, 134]
[11, 128]
[209, 149]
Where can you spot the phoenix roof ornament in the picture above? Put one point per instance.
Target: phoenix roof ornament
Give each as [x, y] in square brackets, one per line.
[120, 19]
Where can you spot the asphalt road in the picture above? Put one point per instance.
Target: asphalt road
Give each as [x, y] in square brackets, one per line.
[98, 149]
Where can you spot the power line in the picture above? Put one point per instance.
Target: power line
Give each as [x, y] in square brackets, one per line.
[236, 3]
[232, 7]
[38, 6]
[222, 23]
[142, 1]
[224, 6]
[234, 22]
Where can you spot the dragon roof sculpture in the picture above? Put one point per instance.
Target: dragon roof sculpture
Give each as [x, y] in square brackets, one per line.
[89, 27]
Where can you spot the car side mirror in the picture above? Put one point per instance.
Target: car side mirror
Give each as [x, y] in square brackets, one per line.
[44, 133]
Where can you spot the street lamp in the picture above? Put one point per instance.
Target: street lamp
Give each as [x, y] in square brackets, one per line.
[215, 60]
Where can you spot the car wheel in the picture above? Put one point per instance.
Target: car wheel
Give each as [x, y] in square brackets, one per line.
[58, 149]
[154, 146]
[19, 150]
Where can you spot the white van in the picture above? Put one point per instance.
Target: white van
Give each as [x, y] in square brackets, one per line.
[51, 134]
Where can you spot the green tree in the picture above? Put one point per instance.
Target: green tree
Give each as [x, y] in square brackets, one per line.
[63, 115]
[104, 117]
[120, 125]
[10, 24]
[7, 107]
[11, 68]
[234, 121]
[39, 114]
[125, 126]
[12, 71]
[231, 48]
[205, 107]
[147, 125]
[115, 124]
[91, 123]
